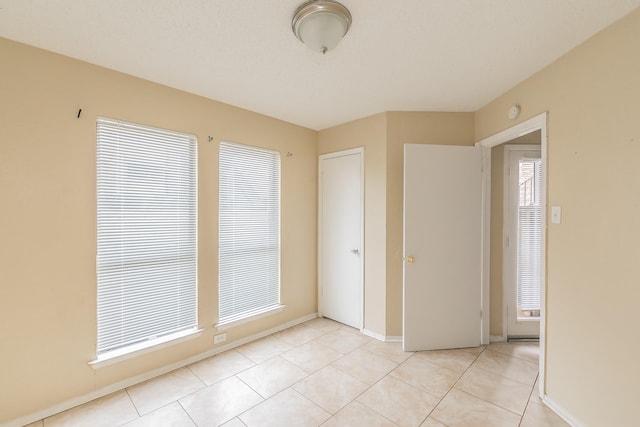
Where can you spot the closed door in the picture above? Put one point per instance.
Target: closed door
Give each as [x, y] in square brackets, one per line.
[340, 222]
[442, 247]
[523, 241]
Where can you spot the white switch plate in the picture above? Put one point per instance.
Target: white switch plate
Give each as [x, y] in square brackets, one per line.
[219, 338]
[556, 215]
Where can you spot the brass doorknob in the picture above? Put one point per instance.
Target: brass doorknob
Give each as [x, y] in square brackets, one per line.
[411, 259]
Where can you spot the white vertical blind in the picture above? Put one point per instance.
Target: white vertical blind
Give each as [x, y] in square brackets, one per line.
[529, 247]
[249, 234]
[147, 233]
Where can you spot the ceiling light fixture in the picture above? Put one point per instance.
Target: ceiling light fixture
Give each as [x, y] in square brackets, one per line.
[321, 24]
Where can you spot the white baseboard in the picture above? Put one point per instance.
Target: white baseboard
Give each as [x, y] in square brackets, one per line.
[372, 334]
[79, 400]
[497, 338]
[561, 412]
[380, 337]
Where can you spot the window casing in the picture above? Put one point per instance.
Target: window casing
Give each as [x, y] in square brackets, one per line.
[146, 234]
[249, 232]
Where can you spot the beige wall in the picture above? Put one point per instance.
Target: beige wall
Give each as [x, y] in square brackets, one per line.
[48, 215]
[592, 96]
[411, 128]
[369, 133]
[496, 308]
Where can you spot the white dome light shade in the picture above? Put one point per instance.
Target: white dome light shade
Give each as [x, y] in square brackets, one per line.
[321, 24]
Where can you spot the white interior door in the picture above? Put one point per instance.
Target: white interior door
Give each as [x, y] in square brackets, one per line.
[523, 241]
[442, 247]
[340, 237]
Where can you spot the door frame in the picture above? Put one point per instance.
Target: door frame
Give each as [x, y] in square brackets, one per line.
[360, 151]
[509, 292]
[533, 124]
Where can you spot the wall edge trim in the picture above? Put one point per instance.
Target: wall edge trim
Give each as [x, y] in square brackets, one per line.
[561, 412]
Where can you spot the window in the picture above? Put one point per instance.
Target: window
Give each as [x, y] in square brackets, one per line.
[249, 235]
[529, 247]
[147, 234]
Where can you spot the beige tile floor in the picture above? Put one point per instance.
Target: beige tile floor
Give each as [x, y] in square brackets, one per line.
[325, 373]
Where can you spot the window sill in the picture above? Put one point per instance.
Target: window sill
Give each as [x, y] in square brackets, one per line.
[227, 324]
[115, 356]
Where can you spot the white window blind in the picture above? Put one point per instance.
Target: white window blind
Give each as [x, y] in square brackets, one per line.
[529, 247]
[147, 233]
[249, 234]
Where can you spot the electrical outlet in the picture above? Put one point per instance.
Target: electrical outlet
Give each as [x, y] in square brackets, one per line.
[217, 339]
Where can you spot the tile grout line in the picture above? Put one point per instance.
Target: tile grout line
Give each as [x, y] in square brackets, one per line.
[453, 386]
[528, 400]
[503, 376]
[126, 390]
[400, 380]
[369, 387]
[511, 354]
[342, 356]
[187, 412]
[291, 386]
[311, 401]
[248, 409]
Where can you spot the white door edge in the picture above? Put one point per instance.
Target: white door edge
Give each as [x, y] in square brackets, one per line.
[533, 124]
[359, 150]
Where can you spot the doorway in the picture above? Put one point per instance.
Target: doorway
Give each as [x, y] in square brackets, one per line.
[340, 236]
[534, 124]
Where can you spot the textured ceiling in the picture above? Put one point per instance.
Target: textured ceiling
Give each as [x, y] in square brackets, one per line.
[403, 55]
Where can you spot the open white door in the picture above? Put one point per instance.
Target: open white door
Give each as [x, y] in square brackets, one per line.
[442, 247]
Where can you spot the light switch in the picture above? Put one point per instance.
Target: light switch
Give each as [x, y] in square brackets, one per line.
[556, 215]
